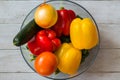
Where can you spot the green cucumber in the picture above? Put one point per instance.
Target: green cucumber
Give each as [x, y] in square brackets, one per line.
[26, 33]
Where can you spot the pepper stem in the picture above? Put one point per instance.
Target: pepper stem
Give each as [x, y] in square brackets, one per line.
[44, 1]
[32, 57]
[62, 8]
[79, 17]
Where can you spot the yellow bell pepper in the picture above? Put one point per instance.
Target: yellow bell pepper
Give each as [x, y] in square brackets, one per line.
[69, 58]
[83, 33]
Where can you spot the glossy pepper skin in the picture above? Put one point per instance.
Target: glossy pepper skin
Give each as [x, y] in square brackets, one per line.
[34, 47]
[69, 58]
[83, 33]
[62, 26]
[47, 40]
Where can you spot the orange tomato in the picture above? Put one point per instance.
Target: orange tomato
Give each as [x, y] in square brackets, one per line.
[45, 15]
[46, 63]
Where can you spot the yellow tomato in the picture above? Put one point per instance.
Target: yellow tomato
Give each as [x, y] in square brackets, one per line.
[45, 16]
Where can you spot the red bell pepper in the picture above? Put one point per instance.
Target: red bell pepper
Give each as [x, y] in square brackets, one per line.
[62, 26]
[34, 47]
[47, 40]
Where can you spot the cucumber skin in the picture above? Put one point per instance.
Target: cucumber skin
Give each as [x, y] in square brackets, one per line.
[26, 33]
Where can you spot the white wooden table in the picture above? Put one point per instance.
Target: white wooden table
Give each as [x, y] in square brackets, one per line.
[107, 64]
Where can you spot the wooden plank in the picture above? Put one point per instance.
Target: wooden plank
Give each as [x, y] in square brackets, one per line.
[108, 60]
[106, 66]
[48, 0]
[7, 33]
[98, 76]
[12, 61]
[15, 11]
[84, 76]
[108, 35]
[21, 76]
[103, 11]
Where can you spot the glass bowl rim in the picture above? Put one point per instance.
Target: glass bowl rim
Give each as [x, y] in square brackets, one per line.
[97, 45]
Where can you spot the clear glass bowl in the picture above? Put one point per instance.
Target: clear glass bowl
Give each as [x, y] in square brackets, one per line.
[79, 10]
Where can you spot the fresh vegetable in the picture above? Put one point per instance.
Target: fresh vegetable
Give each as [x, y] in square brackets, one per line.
[32, 57]
[85, 54]
[83, 33]
[57, 71]
[65, 39]
[46, 63]
[47, 40]
[58, 40]
[69, 58]
[62, 25]
[45, 15]
[26, 33]
[34, 47]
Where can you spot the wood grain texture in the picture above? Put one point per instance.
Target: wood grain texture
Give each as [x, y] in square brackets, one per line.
[108, 60]
[21, 76]
[108, 35]
[98, 76]
[84, 76]
[12, 61]
[107, 63]
[7, 33]
[102, 11]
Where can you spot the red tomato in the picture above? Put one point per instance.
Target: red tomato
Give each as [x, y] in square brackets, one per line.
[46, 63]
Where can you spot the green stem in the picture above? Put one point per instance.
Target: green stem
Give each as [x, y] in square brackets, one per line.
[32, 57]
[79, 17]
[62, 8]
